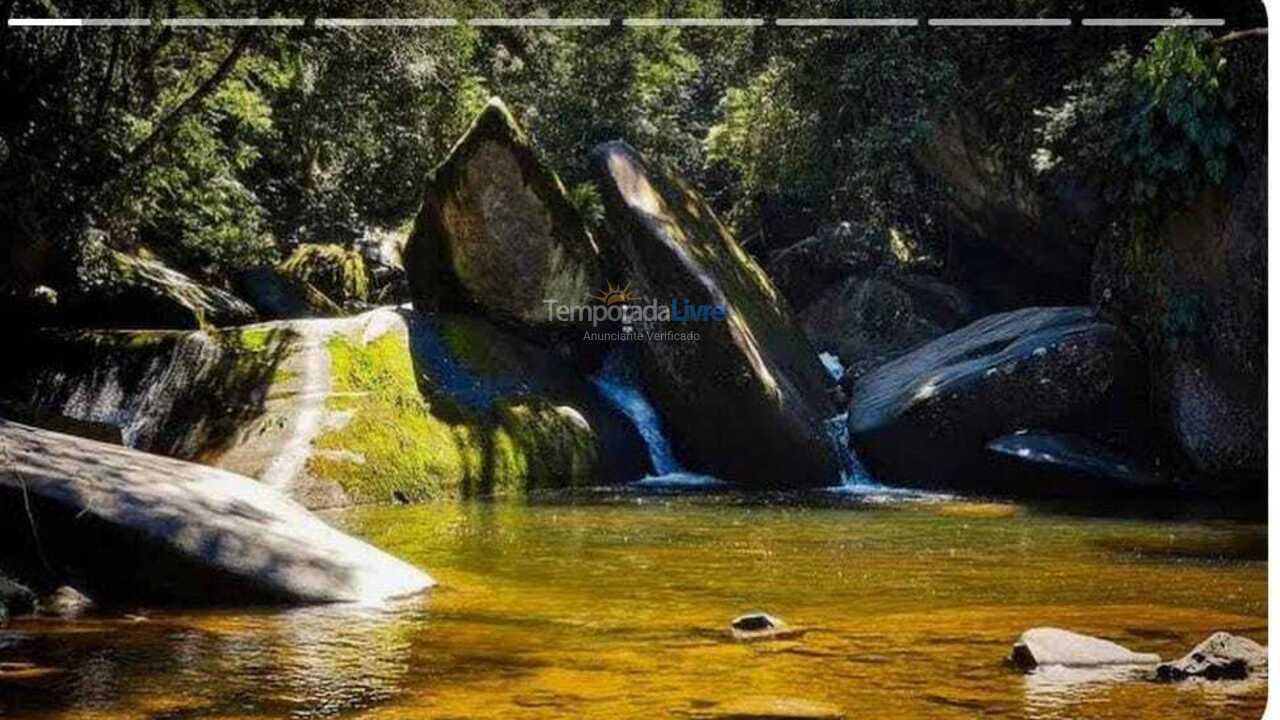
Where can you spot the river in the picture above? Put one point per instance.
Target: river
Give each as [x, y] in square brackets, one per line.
[615, 604]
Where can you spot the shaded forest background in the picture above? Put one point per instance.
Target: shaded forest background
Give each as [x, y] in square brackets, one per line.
[219, 150]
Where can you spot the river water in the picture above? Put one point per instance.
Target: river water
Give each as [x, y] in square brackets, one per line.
[615, 604]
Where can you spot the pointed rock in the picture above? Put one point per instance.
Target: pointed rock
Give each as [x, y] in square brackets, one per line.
[497, 232]
[742, 391]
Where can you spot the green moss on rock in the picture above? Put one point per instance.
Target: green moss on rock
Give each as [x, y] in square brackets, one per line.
[399, 445]
[337, 273]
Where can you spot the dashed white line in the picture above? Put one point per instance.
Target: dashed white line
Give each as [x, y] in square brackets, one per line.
[693, 22]
[79, 22]
[847, 22]
[540, 22]
[1153, 22]
[1000, 22]
[385, 22]
[233, 22]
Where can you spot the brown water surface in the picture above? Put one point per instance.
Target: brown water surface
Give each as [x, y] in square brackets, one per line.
[618, 608]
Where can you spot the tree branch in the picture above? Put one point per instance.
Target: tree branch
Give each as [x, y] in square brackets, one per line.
[193, 101]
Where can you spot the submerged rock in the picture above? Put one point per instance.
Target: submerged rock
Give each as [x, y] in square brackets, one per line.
[1222, 656]
[769, 708]
[1062, 464]
[497, 232]
[742, 392]
[761, 626]
[65, 602]
[1051, 646]
[1059, 369]
[128, 525]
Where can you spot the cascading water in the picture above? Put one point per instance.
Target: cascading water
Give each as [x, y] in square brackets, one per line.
[854, 479]
[617, 382]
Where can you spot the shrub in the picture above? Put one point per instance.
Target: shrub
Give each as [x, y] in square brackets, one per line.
[335, 271]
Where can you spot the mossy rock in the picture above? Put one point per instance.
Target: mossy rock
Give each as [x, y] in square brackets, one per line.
[276, 296]
[746, 400]
[137, 292]
[497, 231]
[454, 407]
[337, 273]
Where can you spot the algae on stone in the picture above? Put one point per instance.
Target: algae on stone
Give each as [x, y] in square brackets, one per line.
[497, 230]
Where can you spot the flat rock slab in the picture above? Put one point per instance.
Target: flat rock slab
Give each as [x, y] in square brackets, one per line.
[126, 525]
[1066, 464]
[1050, 646]
[1222, 656]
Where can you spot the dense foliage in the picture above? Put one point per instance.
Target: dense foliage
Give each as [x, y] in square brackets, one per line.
[219, 149]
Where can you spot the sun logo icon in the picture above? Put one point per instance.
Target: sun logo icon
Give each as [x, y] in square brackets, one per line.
[613, 295]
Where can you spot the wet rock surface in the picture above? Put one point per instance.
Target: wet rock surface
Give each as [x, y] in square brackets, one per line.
[1059, 369]
[1047, 646]
[746, 399]
[761, 626]
[1068, 465]
[1222, 656]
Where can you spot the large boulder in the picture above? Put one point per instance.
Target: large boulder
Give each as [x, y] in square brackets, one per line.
[1222, 656]
[126, 525]
[130, 291]
[278, 297]
[1044, 646]
[178, 393]
[925, 419]
[857, 296]
[497, 232]
[803, 270]
[1195, 296]
[742, 393]
[1016, 242]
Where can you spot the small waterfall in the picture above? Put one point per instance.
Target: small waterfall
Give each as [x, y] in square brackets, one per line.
[854, 479]
[617, 382]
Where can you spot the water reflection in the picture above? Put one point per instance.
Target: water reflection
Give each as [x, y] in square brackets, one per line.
[304, 663]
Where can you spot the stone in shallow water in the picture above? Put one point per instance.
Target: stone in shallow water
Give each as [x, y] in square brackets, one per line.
[1222, 656]
[761, 626]
[1052, 646]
